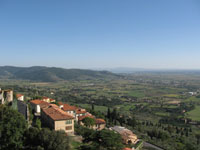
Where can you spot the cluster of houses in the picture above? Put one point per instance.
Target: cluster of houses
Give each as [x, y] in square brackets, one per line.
[61, 116]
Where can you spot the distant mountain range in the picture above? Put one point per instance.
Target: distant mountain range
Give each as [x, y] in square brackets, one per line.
[51, 74]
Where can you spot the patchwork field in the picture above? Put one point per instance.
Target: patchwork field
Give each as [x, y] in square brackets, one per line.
[194, 114]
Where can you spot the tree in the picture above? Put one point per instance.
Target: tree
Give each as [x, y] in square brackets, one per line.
[93, 107]
[100, 140]
[88, 122]
[108, 140]
[132, 122]
[12, 128]
[114, 114]
[198, 138]
[108, 113]
[46, 139]
[38, 123]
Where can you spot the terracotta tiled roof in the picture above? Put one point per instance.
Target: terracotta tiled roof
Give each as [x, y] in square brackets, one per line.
[56, 113]
[19, 95]
[100, 121]
[52, 100]
[54, 105]
[127, 148]
[67, 107]
[60, 103]
[38, 102]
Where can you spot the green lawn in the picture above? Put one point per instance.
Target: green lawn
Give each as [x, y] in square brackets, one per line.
[171, 95]
[192, 99]
[126, 107]
[194, 114]
[138, 94]
[162, 114]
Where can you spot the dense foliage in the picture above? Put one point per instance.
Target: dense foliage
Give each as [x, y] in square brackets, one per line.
[99, 140]
[14, 134]
[88, 122]
[12, 128]
[45, 139]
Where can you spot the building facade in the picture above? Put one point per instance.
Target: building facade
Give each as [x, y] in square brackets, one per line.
[100, 124]
[6, 96]
[127, 135]
[57, 119]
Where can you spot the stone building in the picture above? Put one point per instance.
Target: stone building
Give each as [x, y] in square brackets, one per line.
[57, 119]
[127, 135]
[6, 96]
[99, 123]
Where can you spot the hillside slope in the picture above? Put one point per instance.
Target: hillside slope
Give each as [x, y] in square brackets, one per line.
[51, 74]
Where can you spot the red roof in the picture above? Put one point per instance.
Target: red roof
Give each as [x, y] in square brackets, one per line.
[67, 107]
[38, 102]
[19, 95]
[100, 121]
[52, 100]
[60, 103]
[55, 113]
[127, 148]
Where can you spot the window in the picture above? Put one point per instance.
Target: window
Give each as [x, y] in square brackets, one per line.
[68, 128]
[68, 122]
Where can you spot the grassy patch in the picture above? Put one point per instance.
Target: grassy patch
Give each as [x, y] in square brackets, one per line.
[171, 95]
[126, 107]
[75, 145]
[162, 114]
[138, 94]
[194, 114]
[192, 99]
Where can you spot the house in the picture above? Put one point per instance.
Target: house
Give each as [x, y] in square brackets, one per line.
[80, 112]
[37, 105]
[99, 123]
[21, 107]
[73, 110]
[48, 100]
[57, 119]
[6, 96]
[20, 97]
[127, 135]
[68, 108]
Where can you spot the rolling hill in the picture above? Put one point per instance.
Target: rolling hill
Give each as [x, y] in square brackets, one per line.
[51, 74]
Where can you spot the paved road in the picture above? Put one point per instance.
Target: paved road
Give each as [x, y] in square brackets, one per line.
[146, 144]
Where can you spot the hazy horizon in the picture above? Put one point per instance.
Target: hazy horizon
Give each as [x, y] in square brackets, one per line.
[89, 34]
[114, 69]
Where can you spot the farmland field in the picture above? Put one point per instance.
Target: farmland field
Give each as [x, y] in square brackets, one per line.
[195, 114]
[156, 101]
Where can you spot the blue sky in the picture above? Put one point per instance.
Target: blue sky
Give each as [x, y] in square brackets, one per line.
[100, 33]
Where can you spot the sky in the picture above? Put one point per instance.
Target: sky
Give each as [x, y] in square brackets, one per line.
[151, 34]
